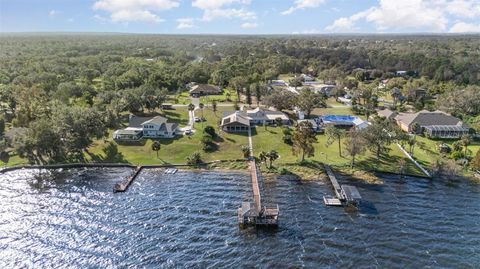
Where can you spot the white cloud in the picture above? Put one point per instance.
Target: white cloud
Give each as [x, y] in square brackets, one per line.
[462, 27]
[464, 8]
[406, 15]
[216, 4]
[185, 23]
[243, 14]
[341, 25]
[413, 15]
[53, 13]
[213, 9]
[135, 10]
[303, 4]
[249, 25]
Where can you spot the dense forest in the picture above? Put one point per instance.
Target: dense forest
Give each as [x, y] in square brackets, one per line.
[66, 90]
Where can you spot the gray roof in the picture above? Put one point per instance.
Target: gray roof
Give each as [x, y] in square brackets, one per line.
[427, 118]
[235, 117]
[387, 113]
[136, 121]
[205, 88]
[128, 132]
[170, 127]
[158, 120]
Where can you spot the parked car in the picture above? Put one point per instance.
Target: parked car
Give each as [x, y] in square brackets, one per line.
[188, 132]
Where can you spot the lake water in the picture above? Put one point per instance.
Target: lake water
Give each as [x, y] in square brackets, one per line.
[71, 219]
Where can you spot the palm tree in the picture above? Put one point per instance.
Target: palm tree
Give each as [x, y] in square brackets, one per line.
[263, 156]
[214, 107]
[246, 151]
[466, 140]
[191, 108]
[411, 142]
[272, 156]
[201, 106]
[156, 147]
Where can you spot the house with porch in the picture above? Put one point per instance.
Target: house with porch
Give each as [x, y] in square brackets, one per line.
[146, 127]
[241, 121]
[436, 124]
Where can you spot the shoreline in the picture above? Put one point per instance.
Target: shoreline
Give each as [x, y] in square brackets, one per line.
[292, 169]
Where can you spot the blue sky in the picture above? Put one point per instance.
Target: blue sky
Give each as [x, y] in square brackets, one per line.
[241, 16]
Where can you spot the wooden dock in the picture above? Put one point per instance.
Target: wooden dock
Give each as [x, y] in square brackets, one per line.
[256, 213]
[345, 194]
[123, 186]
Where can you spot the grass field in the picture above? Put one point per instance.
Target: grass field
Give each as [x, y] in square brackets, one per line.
[175, 151]
[184, 97]
[426, 150]
[272, 139]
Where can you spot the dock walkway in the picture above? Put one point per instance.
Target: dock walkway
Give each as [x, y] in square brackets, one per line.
[345, 194]
[123, 186]
[257, 213]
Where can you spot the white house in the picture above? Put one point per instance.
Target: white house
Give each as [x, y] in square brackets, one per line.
[146, 127]
[158, 127]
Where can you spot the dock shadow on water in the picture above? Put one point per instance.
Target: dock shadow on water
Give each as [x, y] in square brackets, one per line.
[189, 219]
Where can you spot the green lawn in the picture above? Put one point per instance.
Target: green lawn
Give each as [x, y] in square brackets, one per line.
[426, 150]
[332, 110]
[184, 97]
[175, 151]
[272, 139]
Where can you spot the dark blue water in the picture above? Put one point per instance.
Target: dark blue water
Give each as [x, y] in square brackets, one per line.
[71, 219]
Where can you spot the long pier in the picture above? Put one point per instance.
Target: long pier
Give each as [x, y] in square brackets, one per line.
[256, 213]
[345, 194]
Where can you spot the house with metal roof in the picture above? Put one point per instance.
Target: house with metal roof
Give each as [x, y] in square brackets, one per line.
[234, 122]
[240, 121]
[436, 124]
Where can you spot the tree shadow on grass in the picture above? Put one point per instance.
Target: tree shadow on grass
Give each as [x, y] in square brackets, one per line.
[110, 155]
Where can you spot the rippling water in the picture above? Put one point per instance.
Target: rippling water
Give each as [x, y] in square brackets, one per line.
[72, 219]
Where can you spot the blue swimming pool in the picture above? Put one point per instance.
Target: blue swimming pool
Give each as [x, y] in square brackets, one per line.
[339, 118]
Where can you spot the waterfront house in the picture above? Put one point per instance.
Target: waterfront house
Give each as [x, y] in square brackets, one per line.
[240, 121]
[234, 122]
[146, 127]
[197, 90]
[344, 121]
[437, 124]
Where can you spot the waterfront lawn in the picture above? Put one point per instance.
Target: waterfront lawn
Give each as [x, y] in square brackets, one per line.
[175, 151]
[272, 139]
[426, 150]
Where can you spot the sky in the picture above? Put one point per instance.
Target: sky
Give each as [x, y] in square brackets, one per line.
[241, 16]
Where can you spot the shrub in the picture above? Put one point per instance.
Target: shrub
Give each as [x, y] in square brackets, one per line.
[210, 130]
[207, 143]
[456, 155]
[194, 159]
